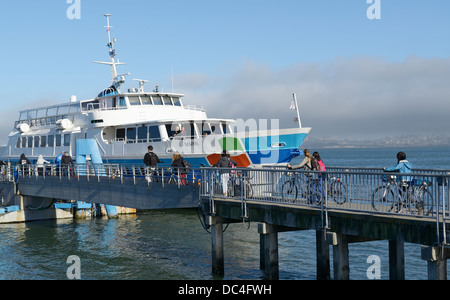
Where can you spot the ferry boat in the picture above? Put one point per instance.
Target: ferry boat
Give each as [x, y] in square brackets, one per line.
[124, 124]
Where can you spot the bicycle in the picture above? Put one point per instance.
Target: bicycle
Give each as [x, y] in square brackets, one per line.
[289, 190]
[337, 190]
[235, 187]
[310, 189]
[403, 196]
[173, 178]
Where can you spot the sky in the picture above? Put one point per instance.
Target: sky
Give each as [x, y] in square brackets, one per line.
[354, 75]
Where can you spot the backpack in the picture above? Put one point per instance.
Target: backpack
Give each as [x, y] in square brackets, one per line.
[187, 166]
[315, 165]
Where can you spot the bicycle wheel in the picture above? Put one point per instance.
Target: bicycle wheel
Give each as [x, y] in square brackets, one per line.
[422, 202]
[248, 189]
[289, 191]
[338, 192]
[383, 199]
[314, 192]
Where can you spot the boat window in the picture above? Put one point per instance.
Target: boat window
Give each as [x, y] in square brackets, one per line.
[31, 114]
[41, 113]
[51, 140]
[63, 110]
[30, 142]
[24, 142]
[51, 111]
[120, 134]
[74, 108]
[67, 140]
[18, 142]
[36, 141]
[176, 101]
[215, 129]
[51, 121]
[171, 130]
[146, 100]
[58, 140]
[167, 100]
[134, 100]
[23, 116]
[121, 102]
[206, 129]
[157, 100]
[188, 130]
[43, 141]
[131, 135]
[225, 128]
[142, 134]
[154, 134]
[89, 105]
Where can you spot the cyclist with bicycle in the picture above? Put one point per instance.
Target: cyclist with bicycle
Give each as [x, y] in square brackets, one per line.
[402, 166]
[180, 165]
[308, 163]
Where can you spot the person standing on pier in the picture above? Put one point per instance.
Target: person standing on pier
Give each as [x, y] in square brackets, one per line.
[151, 160]
[308, 163]
[181, 166]
[402, 166]
[225, 161]
[316, 155]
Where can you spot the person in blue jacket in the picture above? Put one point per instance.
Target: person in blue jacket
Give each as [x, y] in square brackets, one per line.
[58, 163]
[402, 166]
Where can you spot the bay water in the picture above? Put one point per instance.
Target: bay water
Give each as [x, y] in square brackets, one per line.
[172, 244]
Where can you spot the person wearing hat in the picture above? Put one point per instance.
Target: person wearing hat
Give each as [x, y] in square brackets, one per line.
[225, 161]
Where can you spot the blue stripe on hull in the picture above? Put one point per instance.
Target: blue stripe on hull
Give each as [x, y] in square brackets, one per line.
[194, 161]
[260, 149]
[274, 157]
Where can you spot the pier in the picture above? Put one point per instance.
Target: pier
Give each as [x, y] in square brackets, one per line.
[342, 205]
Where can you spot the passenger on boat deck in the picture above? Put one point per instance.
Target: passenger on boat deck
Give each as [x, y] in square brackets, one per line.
[66, 162]
[40, 165]
[179, 131]
[24, 160]
[150, 158]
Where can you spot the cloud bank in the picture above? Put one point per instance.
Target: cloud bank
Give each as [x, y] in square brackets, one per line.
[357, 97]
[363, 97]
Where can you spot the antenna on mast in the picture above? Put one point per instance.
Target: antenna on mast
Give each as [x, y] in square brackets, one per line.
[116, 80]
[142, 82]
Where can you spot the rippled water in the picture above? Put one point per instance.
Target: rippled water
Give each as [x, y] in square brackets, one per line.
[173, 245]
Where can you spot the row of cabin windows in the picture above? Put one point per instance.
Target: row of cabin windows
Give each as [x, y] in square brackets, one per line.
[43, 141]
[50, 112]
[144, 134]
[119, 102]
[138, 134]
[43, 121]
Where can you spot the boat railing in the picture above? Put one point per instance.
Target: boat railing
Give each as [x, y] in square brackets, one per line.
[194, 107]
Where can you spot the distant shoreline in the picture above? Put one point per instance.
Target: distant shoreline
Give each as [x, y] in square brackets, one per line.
[387, 142]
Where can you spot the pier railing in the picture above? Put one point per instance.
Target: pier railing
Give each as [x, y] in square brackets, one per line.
[422, 194]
